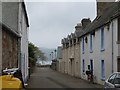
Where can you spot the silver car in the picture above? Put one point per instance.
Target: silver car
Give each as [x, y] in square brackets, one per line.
[113, 81]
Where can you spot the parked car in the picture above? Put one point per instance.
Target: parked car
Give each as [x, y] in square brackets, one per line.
[113, 81]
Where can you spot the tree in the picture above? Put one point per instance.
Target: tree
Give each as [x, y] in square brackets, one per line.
[34, 54]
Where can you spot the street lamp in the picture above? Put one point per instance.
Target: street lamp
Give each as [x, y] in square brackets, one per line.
[52, 55]
[55, 53]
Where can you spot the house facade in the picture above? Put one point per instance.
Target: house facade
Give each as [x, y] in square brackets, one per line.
[59, 57]
[15, 36]
[98, 43]
[10, 35]
[100, 47]
[24, 28]
[71, 53]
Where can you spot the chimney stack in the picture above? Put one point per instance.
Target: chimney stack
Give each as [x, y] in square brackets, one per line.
[85, 22]
[78, 27]
[102, 5]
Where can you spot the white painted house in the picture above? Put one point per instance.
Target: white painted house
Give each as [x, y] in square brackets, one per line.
[23, 30]
[100, 44]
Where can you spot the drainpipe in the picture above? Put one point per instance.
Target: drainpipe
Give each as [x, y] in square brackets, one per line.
[112, 50]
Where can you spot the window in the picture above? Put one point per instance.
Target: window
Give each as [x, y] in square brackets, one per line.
[102, 70]
[83, 64]
[78, 40]
[119, 30]
[91, 47]
[74, 41]
[83, 45]
[102, 39]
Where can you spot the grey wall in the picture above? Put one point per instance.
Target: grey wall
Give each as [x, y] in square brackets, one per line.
[10, 14]
[59, 52]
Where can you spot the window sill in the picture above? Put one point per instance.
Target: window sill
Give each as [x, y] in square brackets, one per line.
[102, 50]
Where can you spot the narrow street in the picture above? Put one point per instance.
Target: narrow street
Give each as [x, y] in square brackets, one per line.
[47, 78]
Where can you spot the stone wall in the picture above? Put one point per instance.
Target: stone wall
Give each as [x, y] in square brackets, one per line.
[9, 49]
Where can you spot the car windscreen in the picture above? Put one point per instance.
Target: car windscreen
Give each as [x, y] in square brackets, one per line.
[117, 79]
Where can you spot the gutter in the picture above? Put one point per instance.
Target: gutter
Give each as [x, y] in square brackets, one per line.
[11, 31]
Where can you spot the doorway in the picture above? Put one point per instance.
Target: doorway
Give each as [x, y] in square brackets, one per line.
[91, 66]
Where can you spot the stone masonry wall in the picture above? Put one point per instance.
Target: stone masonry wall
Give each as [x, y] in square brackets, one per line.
[9, 50]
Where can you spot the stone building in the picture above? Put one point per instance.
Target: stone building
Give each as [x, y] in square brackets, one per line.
[59, 57]
[14, 29]
[9, 48]
[71, 63]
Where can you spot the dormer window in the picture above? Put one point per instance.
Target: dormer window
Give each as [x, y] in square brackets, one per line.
[78, 40]
[93, 33]
[70, 42]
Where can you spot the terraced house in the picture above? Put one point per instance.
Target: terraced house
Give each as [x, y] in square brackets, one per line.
[98, 43]
[71, 53]
[14, 36]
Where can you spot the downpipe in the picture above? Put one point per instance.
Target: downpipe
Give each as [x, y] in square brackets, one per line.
[112, 49]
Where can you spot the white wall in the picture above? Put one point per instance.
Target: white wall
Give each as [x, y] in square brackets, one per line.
[24, 45]
[99, 55]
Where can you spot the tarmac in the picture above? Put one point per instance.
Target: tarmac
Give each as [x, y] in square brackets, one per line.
[45, 77]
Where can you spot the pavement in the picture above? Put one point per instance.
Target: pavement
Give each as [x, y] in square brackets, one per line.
[44, 77]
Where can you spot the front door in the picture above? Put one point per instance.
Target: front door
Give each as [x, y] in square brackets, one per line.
[91, 66]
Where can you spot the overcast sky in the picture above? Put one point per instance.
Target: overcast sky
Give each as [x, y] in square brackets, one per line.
[52, 21]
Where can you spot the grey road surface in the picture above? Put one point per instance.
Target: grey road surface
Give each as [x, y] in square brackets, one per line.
[47, 78]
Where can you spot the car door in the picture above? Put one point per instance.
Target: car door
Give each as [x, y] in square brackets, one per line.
[117, 81]
[110, 82]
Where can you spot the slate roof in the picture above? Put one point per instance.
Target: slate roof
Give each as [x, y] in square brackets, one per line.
[78, 33]
[108, 15]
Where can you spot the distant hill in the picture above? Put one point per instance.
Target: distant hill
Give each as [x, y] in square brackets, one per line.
[47, 52]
